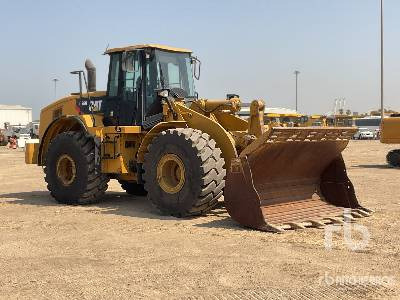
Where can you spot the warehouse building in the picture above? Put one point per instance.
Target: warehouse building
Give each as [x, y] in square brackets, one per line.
[15, 115]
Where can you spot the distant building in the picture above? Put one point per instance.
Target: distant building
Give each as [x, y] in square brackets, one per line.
[15, 115]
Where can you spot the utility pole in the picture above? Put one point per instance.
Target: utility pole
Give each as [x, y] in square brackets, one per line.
[334, 106]
[55, 87]
[335, 110]
[382, 108]
[297, 74]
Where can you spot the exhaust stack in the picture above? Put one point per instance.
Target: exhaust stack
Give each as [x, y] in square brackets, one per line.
[91, 72]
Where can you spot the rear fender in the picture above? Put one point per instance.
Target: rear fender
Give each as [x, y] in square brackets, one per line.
[59, 125]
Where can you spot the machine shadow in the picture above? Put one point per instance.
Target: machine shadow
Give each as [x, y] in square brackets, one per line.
[122, 204]
[373, 166]
[118, 203]
[225, 222]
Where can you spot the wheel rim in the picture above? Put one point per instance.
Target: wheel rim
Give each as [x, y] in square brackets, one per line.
[66, 169]
[171, 173]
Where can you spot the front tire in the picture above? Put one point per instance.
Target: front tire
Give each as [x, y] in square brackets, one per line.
[184, 172]
[70, 169]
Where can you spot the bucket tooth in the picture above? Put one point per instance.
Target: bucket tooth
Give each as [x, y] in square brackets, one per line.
[326, 222]
[335, 220]
[356, 214]
[307, 224]
[362, 212]
[286, 226]
[271, 228]
[370, 211]
[316, 224]
[294, 225]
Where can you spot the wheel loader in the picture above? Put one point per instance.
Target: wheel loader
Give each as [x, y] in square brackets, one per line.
[390, 134]
[316, 120]
[150, 131]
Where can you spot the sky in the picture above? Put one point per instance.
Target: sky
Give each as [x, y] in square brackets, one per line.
[247, 47]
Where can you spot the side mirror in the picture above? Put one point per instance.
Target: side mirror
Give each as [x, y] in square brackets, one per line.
[196, 67]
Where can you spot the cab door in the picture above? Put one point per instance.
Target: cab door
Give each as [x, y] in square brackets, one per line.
[131, 94]
[124, 90]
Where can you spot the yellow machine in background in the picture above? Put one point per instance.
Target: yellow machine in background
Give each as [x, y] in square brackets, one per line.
[272, 119]
[316, 120]
[150, 132]
[340, 120]
[390, 134]
[282, 119]
[296, 120]
[279, 117]
[293, 120]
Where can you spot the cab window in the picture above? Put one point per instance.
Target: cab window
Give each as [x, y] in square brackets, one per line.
[132, 78]
[114, 75]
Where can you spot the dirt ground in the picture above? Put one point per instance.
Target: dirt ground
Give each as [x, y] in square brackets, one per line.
[123, 249]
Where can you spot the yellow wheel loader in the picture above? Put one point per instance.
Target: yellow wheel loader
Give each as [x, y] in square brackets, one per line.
[316, 120]
[390, 134]
[152, 133]
[340, 120]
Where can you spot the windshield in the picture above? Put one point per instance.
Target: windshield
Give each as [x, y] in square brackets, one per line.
[174, 71]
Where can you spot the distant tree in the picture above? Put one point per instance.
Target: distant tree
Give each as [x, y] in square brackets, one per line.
[375, 113]
[386, 111]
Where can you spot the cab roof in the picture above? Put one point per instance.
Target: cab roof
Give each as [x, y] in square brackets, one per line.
[143, 46]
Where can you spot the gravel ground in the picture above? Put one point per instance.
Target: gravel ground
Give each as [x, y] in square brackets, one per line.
[122, 248]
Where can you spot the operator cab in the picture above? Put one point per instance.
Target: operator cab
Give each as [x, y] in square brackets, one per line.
[137, 75]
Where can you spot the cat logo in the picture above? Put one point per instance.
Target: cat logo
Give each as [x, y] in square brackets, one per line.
[95, 105]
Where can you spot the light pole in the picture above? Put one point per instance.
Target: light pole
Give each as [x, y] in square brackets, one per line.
[55, 87]
[297, 74]
[382, 108]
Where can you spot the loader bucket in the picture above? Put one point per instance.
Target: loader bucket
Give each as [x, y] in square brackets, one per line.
[292, 178]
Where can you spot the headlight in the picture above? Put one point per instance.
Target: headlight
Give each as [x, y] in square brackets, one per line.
[163, 93]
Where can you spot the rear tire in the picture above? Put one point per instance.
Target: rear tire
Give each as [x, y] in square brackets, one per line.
[194, 178]
[70, 170]
[393, 158]
[133, 188]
